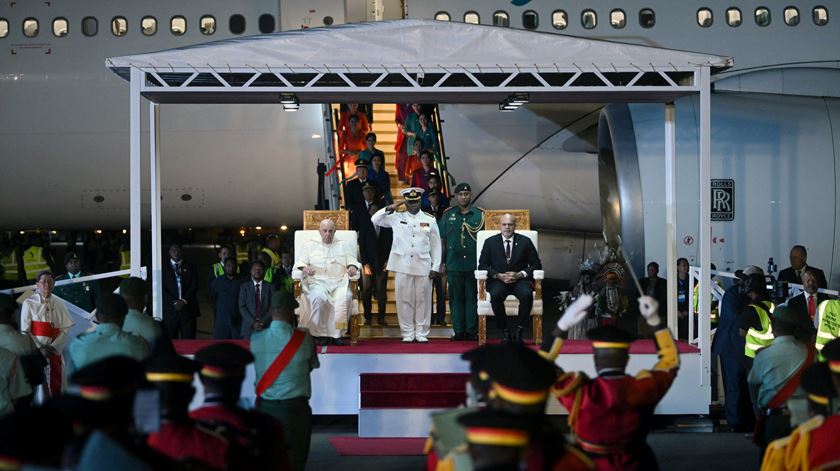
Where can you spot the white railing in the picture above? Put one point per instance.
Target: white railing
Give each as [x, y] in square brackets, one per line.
[81, 279]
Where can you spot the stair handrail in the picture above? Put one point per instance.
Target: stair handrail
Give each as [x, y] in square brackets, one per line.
[437, 122]
[339, 157]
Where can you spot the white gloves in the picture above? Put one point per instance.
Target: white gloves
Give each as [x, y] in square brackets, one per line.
[649, 308]
[575, 312]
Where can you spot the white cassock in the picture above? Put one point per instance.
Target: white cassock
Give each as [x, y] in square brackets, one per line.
[329, 300]
[48, 322]
[414, 253]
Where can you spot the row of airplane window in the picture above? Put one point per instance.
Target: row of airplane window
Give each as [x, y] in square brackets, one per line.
[647, 17]
[148, 25]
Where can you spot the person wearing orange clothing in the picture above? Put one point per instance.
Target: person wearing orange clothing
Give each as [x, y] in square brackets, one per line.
[401, 146]
[353, 110]
[412, 162]
[351, 141]
[608, 414]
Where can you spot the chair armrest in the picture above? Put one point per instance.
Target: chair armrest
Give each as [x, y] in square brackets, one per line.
[358, 275]
[481, 274]
[539, 274]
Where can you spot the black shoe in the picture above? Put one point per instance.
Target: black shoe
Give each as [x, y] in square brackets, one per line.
[368, 321]
[339, 342]
[324, 341]
[382, 320]
[506, 336]
[458, 337]
[470, 336]
[518, 339]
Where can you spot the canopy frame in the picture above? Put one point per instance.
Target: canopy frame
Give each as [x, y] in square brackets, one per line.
[448, 83]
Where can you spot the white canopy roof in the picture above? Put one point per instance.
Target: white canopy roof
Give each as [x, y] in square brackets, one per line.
[409, 44]
[409, 59]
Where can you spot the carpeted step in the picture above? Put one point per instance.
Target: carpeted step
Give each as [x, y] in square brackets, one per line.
[412, 381]
[413, 400]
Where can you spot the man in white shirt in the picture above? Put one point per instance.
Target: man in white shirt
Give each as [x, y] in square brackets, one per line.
[415, 260]
[45, 318]
[327, 265]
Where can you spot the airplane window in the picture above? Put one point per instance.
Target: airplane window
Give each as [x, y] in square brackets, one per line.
[791, 16]
[237, 24]
[442, 16]
[30, 27]
[559, 19]
[178, 25]
[617, 19]
[501, 18]
[90, 26]
[4, 27]
[647, 18]
[588, 19]
[762, 16]
[733, 17]
[60, 27]
[266, 23]
[472, 18]
[530, 19]
[148, 25]
[119, 26]
[704, 17]
[820, 16]
[207, 25]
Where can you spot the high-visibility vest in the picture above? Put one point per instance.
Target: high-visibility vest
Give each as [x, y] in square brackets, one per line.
[218, 269]
[241, 253]
[269, 275]
[757, 339]
[828, 329]
[125, 261]
[34, 261]
[275, 259]
[10, 266]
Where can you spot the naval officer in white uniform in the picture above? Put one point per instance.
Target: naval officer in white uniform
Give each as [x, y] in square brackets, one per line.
[414, 259]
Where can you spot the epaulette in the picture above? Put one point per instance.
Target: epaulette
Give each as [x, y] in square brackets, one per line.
[217, 432]
[449, 209]
[429, 214]
[479, 208]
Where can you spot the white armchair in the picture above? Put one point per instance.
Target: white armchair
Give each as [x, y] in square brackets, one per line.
[511, 303]
[301, 239]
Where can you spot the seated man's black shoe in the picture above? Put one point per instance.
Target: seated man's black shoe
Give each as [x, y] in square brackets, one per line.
[458, 336]
[339, 341]
[471, 336]
[506, 336]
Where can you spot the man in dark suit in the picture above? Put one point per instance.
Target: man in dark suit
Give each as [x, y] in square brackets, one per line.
[255, 300]
[180, 284]
[510, 260]
[374, 250]
[655, 287]
[806, 304]
[354, 201]
[798, 265]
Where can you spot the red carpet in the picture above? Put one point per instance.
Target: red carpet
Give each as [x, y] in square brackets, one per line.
[442, 346]
[355, 446]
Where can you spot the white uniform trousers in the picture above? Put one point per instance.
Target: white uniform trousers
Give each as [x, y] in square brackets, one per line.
[414, 297]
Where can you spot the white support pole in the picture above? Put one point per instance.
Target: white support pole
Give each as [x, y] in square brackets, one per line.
[157, 250]
[671, 213]
[134, 178]
[705, 225]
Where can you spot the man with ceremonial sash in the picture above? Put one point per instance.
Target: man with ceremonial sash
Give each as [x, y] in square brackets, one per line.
[261, 436]
[774, 377]
[284, 357]
[609, 413]
[46, 319]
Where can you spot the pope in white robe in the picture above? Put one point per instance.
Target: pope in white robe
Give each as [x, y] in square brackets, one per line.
[45, 318]
[327, 266]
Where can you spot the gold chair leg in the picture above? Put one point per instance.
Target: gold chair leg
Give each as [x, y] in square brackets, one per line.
[482, 330]
[354, 329]
[536, 322]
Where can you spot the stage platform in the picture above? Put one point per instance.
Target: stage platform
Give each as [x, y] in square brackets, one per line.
[335, 385]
